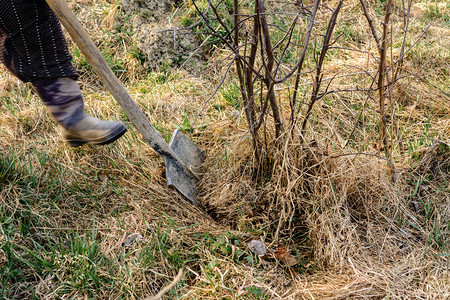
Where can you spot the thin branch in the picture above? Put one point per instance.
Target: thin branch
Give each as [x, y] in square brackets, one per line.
[299, 65]
[260, 9]
[372, 27]
[381, 87]
[225, 41]
[409, 49]
[215, 91]
[319, 75]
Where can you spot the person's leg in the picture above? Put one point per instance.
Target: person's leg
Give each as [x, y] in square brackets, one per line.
[63, 99]
[32, 46]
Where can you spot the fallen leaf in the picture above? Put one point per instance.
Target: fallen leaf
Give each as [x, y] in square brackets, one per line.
[283, 255]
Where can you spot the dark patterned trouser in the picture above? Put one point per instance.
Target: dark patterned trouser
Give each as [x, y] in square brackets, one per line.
[32, 45]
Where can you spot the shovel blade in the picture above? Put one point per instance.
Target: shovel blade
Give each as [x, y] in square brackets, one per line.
[182, 178]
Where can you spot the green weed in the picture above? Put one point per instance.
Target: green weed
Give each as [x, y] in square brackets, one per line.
[232, 94]
[257, 293]
[437, 12]
[10, 170]
[87, 268]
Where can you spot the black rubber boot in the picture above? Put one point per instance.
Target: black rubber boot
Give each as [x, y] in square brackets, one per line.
[63, 99]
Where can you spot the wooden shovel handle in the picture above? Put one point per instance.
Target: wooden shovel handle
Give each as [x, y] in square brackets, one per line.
[111, 82]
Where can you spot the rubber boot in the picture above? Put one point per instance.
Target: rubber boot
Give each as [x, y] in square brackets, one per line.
[63, 99]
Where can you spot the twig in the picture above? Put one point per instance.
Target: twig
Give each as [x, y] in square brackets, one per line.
[167, 288]
[224, 40]
[381, 87]
[402, 49]
[372, 28]
[215, 91]
[260, 10]
[299, 65]
[319, 75]
[412, 46]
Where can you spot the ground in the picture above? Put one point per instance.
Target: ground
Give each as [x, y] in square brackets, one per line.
[100, 222]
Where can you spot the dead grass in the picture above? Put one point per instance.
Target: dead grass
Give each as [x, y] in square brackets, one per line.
[355, 233]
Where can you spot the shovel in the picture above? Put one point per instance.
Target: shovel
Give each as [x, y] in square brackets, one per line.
[181, 156]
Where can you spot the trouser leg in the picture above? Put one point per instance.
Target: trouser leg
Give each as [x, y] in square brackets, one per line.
[63, 99]
[32, 44]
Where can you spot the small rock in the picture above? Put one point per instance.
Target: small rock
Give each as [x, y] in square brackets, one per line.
[257, 247]
[131, 239]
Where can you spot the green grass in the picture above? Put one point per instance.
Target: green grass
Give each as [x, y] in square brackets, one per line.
[75, 264]
[232, 94]
[257, 293]
[10, 170]
[116, 65]
[87, 269]
[438, 11]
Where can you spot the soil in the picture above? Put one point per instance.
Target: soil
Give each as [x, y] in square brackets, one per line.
[161, 38]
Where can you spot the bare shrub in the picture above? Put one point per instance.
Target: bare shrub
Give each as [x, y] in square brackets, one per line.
[312, 170]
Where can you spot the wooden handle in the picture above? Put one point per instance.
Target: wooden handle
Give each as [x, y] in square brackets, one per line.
[109, 79]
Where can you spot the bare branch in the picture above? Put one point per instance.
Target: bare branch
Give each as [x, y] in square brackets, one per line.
[372, 28]
[381, 87]
[215, 91]
[319, 75]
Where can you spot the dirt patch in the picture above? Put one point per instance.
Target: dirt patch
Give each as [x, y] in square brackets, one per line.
[152, 10]
[160, 37]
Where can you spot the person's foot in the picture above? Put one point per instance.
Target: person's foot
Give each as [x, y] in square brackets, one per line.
[94, 131]
[63, 99]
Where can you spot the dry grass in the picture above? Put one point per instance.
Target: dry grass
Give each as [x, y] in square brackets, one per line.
[356, 234]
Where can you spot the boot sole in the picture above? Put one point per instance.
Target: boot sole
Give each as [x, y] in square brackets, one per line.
[112, 137]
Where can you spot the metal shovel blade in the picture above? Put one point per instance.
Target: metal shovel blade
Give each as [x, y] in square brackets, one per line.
[184, 181]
